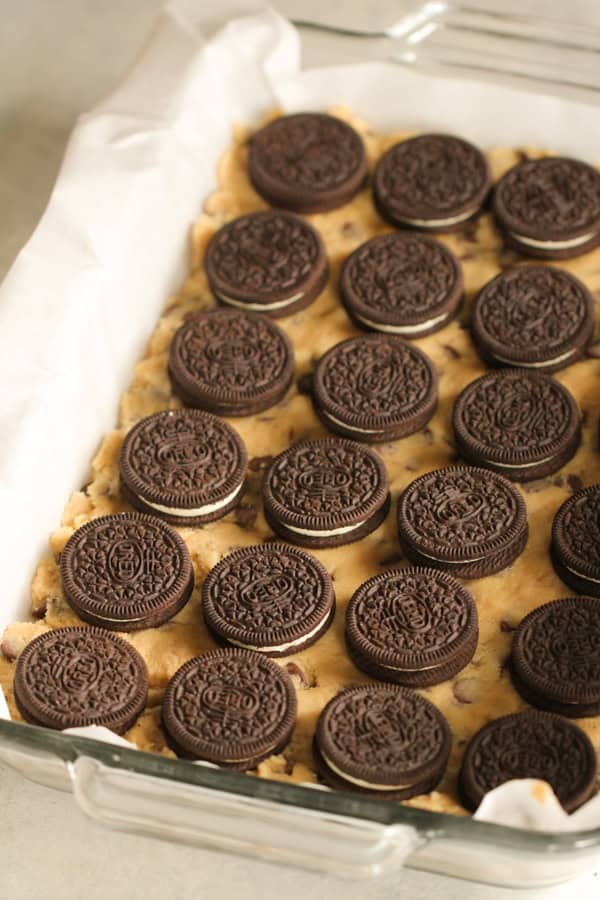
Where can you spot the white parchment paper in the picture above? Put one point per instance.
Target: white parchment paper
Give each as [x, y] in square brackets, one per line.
[86, 291]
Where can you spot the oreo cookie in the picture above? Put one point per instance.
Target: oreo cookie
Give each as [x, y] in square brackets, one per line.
[555, 657]
[575, 547]
[533, 317]
[271, 262]
[231, 363]
[549, 208]
[126, 571]
[435, 182]
[324, 493]
[404, 284]
[230, 707]
[375, 388]
[308, 162]
[529, 744]
[412, 626]
[382, 740]
[71, 677]
[273, 599]
[468, 521]
[523, 425]
[185, 466]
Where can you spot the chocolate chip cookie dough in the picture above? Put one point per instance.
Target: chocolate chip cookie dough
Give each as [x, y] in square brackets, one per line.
[481, 691]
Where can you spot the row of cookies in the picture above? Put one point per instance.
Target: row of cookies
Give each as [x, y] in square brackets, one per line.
[433, 182]
[401, 283]
[235, 708]
[131, 571]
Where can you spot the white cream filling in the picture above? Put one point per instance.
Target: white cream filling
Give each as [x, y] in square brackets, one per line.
[400, 669]
[534, 462]
[359, 781]
[191, 513]
[579, 574]
[402, 329]
[352, 427]
[278, 304]
[117, 621]
[121, 621]
[538, 365]
[553, 245]
[449, 562]
[344, 529]
[438, 223]
[295, 643]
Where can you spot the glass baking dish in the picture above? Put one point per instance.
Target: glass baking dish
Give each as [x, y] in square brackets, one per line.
[339, 833]
[334, 832]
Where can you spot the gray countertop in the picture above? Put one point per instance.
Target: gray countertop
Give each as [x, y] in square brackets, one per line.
[56, 60]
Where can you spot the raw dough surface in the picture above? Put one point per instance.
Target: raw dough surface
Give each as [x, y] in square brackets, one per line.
[480, 692]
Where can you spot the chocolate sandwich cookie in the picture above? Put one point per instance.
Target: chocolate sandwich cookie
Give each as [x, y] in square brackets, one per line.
[375, 388]
[126, 571]
[549, 208]
[382, 740]
[555, 657]
[271, 262]
[324, 493]
[308, 162]
[412, 626]
[468, 521]
[274, 599]
[404, 284]
[184, 465]
[575, 547]
[521, 424]
[533, 317]
[529, 744]
[230, 362]
[230, 707]
[71, 677]
[435, 182]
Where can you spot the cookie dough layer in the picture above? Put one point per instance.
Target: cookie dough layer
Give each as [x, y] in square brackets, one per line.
[480, 692]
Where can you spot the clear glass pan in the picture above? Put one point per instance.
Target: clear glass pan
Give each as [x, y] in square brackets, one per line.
[315, 829]
[503, 43]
